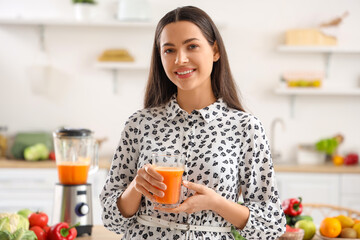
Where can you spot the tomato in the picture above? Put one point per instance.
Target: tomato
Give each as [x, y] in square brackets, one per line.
[46, 229]
[39, 232]
[38, 219]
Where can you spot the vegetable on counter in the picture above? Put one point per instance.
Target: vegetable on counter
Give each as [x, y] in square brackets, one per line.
[292, 206]
[36, 152]
[329, 145]
[39, 219]
[25, 139]
[15, 227]
[62, 231]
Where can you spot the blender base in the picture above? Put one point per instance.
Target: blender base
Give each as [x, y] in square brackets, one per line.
[81, 230]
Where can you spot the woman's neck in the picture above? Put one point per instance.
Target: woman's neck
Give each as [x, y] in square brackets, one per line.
[190, 100]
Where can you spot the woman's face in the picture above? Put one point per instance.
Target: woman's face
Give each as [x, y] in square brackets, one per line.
[187, 57]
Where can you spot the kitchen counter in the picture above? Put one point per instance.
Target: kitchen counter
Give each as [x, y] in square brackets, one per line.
[104, 163]
[323, 168]
[99, 232]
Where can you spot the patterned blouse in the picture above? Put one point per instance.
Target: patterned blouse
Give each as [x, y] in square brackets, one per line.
[224, 149]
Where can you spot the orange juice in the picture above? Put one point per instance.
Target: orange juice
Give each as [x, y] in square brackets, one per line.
[172, 179]
[73, 173]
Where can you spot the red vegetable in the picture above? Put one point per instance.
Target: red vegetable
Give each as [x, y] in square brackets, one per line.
[38, 219]
[62, 231]
[291, 229]
[292, 206]
[39, 232]
[351, 159]
[52, 155]
[47, 230]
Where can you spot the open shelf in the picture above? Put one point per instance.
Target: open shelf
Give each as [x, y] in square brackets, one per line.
[73, 22]
[121, 65]
[317, 49]
[318, 91]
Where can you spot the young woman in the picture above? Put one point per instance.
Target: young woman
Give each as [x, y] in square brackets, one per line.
[192, 109]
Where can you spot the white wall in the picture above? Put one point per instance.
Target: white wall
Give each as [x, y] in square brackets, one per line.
[82, 96]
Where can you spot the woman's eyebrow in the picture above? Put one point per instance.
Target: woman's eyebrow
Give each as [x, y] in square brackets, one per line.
[184, 42]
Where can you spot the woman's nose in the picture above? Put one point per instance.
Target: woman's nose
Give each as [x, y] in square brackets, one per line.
[181, 57]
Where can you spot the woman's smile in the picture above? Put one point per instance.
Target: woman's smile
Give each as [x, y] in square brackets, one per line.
[185, 72]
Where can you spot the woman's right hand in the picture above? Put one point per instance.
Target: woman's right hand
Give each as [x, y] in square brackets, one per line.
[149, 182]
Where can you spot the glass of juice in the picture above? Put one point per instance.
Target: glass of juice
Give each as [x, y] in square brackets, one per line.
[171, 167]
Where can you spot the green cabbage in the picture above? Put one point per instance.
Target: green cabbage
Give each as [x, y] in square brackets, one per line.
[5, 224]
[13, 222]
[36, 152]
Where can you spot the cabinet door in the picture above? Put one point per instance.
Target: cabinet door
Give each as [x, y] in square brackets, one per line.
[350, 191]
[97, 181]
[34, 189]
[27, 188]
[313, 188]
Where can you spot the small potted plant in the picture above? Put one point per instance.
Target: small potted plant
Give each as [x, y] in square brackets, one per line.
[84, 9]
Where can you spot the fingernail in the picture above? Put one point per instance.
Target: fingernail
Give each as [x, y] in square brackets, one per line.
[185, 182]
[164, 187]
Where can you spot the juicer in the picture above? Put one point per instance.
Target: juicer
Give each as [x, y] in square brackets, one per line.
[76, 154]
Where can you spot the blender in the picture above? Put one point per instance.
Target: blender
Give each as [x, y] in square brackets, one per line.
[76, 154]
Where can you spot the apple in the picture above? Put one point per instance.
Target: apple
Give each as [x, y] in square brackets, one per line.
[351, 159]
[308, 227]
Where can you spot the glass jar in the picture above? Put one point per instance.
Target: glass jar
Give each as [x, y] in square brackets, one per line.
[3, 141]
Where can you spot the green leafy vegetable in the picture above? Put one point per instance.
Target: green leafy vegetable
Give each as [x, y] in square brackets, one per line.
[16, 222]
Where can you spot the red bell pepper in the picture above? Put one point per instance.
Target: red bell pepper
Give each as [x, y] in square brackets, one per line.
[292, 206]
[62, 231]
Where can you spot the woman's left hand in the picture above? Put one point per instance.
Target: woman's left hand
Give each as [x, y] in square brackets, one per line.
[204, 199]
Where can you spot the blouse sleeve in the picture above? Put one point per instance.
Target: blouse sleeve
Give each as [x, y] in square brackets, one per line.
[258, 186]
[122, 172]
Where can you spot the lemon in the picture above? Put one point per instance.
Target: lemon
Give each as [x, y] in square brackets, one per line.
[346, 222]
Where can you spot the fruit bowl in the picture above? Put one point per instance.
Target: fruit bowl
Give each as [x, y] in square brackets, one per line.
[293, 235]
[319, 236]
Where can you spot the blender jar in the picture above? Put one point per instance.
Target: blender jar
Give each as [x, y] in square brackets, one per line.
[76, 154]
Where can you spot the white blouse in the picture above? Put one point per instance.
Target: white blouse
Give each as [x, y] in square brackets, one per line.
[224, 149]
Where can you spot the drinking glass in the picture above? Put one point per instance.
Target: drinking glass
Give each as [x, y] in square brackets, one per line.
[171, 167]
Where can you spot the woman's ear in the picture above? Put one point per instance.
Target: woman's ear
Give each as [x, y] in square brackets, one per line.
[216, 52]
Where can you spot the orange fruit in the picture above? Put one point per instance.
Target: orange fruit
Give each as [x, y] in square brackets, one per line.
[338, 160]
[330, 227]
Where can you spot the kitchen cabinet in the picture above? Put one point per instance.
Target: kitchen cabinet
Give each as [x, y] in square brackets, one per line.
[328, 51]
[339, 189]
[350, 191]
[33, 188]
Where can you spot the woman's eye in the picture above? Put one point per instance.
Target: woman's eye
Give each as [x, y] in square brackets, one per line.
[166, 51]
[193, 46]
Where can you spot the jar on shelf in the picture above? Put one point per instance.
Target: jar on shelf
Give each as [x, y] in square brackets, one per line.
[3, 141]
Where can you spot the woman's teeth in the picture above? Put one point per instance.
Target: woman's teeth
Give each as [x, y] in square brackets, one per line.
[186, 72]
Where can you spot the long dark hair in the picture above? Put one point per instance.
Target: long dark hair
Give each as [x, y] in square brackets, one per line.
[159, 88]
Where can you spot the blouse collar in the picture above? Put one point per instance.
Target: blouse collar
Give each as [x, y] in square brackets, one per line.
[208, 113]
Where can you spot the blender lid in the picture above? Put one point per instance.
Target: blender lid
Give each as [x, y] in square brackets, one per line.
[73, 132]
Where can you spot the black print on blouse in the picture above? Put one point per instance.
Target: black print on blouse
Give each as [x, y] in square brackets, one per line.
[224, 149]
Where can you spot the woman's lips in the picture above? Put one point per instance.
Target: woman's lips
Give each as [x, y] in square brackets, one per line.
[185, 73]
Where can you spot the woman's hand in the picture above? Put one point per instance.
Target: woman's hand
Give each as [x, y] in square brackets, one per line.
[204, 199]
[149, 182]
